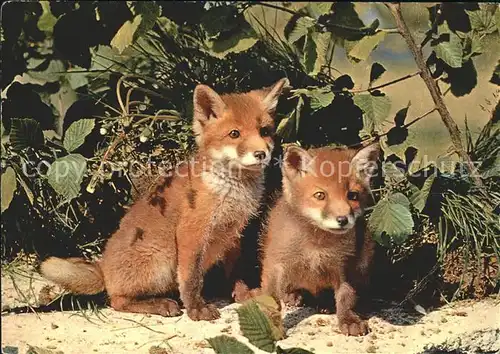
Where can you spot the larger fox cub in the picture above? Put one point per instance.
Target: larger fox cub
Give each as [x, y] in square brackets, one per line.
[316, 237]
[170, 237]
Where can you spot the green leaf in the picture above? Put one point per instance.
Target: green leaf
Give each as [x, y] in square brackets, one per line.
[25, 133]
[301, 28]
[63, 99]
[322, 42]
[450, 51]
[236, 41]
[393, 173]
[292, 351]
[53, 72]
[9, 186]
[256, 327]
[76, 133]
[125, 35]
[419, 197]
[47, 20]
[391, 217]
[149, 12]
[76, 78]
[400, 117]
[168, 26]
[288, 127]
[482, 20]
[376, 72]
[228, 345]
[66, 175]
[270, 308]
[320, 97]
[375, 108]
[363, 48]
[317, 9]
[310, 55]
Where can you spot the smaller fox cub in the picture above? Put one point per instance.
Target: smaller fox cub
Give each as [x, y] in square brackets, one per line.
[315, 237]
[191, 220]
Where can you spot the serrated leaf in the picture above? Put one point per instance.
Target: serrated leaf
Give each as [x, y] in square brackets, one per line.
[375, 108]
[125, 35]
[228, 345]
[391, 217]
[363, 48]
[376, 72]
[419, 198]
[25, 133]
[47, 20]
[301, 28]
[256, 327]
[270, 308]
[9, 186]
[76, 133]
[66, 175]
[280, 350]
[450, 51]
[482, 20]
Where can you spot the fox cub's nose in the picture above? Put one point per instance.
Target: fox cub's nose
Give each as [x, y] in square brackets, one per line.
[259, 155]
[342, 220]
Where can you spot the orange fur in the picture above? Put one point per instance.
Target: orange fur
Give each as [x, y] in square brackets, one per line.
[170, 237]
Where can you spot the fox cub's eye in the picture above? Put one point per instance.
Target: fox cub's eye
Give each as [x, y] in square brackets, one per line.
[234, 134]
[319, 195]
[265, 131]
[352, 195]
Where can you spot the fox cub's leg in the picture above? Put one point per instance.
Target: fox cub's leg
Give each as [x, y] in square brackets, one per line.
[272, 283]
[192, 261]
[157, 306]
[349, 322]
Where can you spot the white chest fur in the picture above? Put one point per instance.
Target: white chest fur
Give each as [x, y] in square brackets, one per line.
[237, 197]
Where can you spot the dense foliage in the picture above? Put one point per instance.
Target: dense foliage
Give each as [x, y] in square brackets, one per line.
[96, 98]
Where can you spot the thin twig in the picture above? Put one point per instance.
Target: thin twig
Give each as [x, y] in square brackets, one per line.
[403, 78]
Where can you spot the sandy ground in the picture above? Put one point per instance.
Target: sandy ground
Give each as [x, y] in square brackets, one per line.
[470, 326]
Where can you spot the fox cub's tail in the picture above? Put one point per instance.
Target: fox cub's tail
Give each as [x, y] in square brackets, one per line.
[74, 274]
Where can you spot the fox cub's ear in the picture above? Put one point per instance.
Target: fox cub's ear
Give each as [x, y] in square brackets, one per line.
[206, 104]
[296, 161]
[364, 163]
[271, 94]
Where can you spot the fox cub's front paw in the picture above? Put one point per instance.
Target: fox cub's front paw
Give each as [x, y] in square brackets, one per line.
[353, 325]
[203, 312]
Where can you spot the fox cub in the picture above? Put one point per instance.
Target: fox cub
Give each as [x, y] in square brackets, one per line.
[315, 236]
[192, 219]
